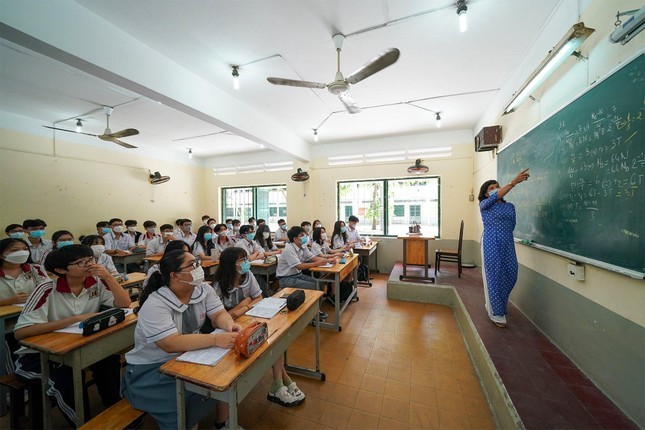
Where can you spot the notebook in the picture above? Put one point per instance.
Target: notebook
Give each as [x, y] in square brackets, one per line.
[267, 308]
[207, 356]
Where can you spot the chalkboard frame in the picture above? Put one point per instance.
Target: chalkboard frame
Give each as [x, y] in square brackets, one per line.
[571, 256]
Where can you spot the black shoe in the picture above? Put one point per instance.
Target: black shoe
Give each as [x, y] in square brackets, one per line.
[322, 315]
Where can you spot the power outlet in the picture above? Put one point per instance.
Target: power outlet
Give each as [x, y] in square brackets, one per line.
[576, 271]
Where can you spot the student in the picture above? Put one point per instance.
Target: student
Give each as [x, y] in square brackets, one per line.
[177, 232]
[205, 219]
[60, 239]
[247, 243]
[156, 246]
[81, 288]
[186, 234]
[263, 238]
[321, 248]
[116, 242]
[173, 307]
[212, 222]
[37, 245]
[353, 236]
[203, 244]
[102, 228]
[238, 291]
[280, 234]
[97, 244]
[261, 222]
[229, 224]
[339, 236]
[252, 222]
[317, 224]
[150, 234]
[221, 241]
[237, 224]
[173, 245]
[15, 231]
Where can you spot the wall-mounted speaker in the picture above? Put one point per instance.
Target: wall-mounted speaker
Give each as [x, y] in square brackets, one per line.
[488, 138]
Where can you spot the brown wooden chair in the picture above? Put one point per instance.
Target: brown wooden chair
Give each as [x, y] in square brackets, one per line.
[450, 255]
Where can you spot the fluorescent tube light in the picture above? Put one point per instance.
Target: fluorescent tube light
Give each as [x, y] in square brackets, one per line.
[345, 157]
[384, 154]
[427, 150]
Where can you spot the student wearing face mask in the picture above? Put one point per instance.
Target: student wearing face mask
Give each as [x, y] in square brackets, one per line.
[81, 288]
[221, 240]
[237, 224]
[247, 243]
[60, 239]
[186, 233]
[239, 291]
[316, 224]
[339, 236]
[150, 234]
[205, 219]
[212, 222]
[35, 229]
[177, 230]
[320, 248]
[97, 244]
[252, 222]
[280, 234]
[103, 228]
[15, 231]
[116, 241]
[131, 229]
[263, 238]
[156, 246]
[172, 308]
[353, 236]
[173, 245]
[306, 226]
[203, 244]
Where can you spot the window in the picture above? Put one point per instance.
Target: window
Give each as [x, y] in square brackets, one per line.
[389, 206]
[268, 202]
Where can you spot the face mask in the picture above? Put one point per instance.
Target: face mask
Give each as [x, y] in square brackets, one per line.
[229, 226]
[236, 228]
[343, 229]
[118, 229]
[304, 240]
[64, 243]
[212, 226]
[105, 230]
[244, 267]
[491, 192]
[98, 250]
[17, 257]
[307, 228]
[151, 230]
[132, 228]
[167, 233]
[197, 275]
[250, 236]
[222, 233]
[317, 225]
[37, 233]
[208, 236]
[352, 226]
[266, 235]
[283, 227]
[253, 224]
[187, 228]
[323, 236]
[17, 234]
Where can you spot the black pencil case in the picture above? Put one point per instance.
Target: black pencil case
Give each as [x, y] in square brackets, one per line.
[295, 299]
[102, 321]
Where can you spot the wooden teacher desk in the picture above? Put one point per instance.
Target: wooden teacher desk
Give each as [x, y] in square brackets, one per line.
[78, 352]
[415, 253]
[233, 377]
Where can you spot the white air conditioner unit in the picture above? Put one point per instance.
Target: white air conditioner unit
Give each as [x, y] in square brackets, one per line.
[629, 29]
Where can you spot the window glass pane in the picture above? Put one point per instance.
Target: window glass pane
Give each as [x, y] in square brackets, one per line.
[271, 203]
[365, 200]
[238, 203]
[419, 199]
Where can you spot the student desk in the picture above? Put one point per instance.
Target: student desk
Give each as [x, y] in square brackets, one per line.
[415, 253]
[334, 275]
[264, 269]
[234, 377]
[78, 352]
[280, 244]
[210, 266]
[124, 260]
[365, 251]
[135, 280]
[6, 312]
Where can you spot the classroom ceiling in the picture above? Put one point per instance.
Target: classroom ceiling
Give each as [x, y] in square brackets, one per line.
[440, 69]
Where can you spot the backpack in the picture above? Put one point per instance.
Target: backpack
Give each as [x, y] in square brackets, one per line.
[363, 273]
[346, 289]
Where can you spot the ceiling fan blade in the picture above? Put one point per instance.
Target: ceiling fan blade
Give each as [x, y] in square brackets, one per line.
[294, 83]
[71, 131]
[351, 106]
[376, 64]
[125, 133]
[123, 144]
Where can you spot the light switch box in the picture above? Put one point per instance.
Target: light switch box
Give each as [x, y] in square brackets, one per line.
[576, 271]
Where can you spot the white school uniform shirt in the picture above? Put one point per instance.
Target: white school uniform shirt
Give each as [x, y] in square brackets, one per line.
[198, 249]
[37, 252]
[353, 235]
[317, 249]
[338, 241]
[156, 246]
[124, 243]
[163, 314]
[54, 301]
[290, 258]
[144, 239]
[248, 288]
[27, 280]
[219, 247]
[266, 248]
[250, 247]
[188, 238]
[280, 235]
[106, 261]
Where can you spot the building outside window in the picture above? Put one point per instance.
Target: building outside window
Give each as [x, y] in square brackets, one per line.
[268, 202]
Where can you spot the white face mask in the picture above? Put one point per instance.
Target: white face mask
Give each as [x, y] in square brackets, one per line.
[308, 228]
[222, 233]
[266, 235]
[323, 236]
[17, 257]
[98, 250]
[151, 230]
[132, 228]
[167, 233]
[212, 226]
[118, 229]
[188, 228]
[236, 228]
[197, 275]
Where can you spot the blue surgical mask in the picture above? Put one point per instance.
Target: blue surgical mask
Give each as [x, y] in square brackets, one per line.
[245, 267]
[250, 236]
[64, 243]
[304, 240]
[17, 234]
[229, 226]
[491, 192]
[343, 229]
[208, 236]
[283, 227]
[105, 230]
[37, 233]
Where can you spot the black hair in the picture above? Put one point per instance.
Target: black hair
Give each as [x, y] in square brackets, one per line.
[170, 262]
[251, 220]
[246, 229]
[149, 224]
[219, 227]
[226, 271]
[228, 220]
[33, 223]
[236, 221]
[352, 218]
[185, 220]
[261, 221]
[206, 244]
[130, 222]
[11, 227]
[102, 224]
[113, 220]
[89, 239]
[281, 220]
[212, 219]
[317, 236]
[304, 223]
[337, 226]
[259, 236]
[317, 221]
[205, 217]
[484, 189]
[294, 232]
[57, 235]
[175, 245]
[166, 227]
[179, 221]
[63, 257]
[6, 243]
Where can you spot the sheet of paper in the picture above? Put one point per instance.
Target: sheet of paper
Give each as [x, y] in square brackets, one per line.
[327, 265]
[73, 328]
[258, 261]
[207, 356]
[267, 308]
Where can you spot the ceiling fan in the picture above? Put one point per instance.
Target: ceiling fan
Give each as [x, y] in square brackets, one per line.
[340, 86]
[107, 134]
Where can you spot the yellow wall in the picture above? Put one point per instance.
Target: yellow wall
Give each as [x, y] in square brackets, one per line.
[620, 294]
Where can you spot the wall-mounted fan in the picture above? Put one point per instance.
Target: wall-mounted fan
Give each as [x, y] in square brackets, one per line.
[418, 168]
[156, 178]
[340, 86]
[300, 176]
[107, 134]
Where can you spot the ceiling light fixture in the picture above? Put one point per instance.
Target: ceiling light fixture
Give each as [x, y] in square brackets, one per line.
[190, 152]
[461, 11]
[571, 41]
[438, 118]
[79, 125]
[315, 135]
[236, 77]
[418, 168]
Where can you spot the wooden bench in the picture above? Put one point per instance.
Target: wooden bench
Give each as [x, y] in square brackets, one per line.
[118, 416]
[17, 389]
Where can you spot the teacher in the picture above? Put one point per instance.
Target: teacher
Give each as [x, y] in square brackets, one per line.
[498, 249]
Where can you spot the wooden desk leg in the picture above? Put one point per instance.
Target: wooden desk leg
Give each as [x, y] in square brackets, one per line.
[77, 373]
[3, 367]
[232, 407]
[47, 406]
[181, 404]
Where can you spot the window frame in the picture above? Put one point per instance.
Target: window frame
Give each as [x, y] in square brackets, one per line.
[254, 199]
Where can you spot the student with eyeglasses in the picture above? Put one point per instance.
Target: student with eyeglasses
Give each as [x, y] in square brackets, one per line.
[82, 287]
[172, 309]
[97, 243]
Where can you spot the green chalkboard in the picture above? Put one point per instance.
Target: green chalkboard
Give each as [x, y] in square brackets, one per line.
[586, 193]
